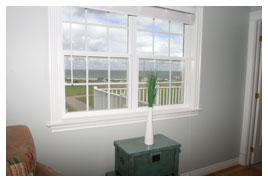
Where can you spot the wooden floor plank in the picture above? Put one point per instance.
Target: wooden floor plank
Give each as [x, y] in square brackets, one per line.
[238, 170]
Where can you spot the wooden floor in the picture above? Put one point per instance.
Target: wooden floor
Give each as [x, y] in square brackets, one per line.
[238, 170]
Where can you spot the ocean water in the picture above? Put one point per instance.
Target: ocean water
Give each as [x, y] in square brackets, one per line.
[119, 75]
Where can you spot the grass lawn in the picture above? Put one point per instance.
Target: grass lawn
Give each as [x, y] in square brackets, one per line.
[69, 108]
[75, 90]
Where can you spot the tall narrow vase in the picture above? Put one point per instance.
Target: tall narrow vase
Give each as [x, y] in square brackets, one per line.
[149, 132]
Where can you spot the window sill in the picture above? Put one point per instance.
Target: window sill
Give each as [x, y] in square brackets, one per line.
[119, 119]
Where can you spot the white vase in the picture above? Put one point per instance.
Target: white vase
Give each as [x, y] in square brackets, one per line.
[149, 132]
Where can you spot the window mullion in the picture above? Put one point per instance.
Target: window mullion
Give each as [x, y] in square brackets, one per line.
[134, 65]
[87, 89]
[130, 60]
[109, 64]
[170, 64]
[71, 45]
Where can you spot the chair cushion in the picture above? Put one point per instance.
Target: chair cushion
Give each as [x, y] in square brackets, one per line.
[21, 165]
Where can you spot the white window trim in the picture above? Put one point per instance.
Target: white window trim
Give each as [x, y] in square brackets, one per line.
[61, 121]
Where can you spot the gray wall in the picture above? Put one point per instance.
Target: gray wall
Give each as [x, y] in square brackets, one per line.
[255, 8]
[210, 138]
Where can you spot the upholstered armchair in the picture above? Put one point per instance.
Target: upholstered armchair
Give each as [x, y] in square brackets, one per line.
[19, 141]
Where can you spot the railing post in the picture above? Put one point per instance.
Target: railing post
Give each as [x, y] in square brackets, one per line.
[157, 96]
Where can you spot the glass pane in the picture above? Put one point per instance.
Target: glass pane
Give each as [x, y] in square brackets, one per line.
[144, 23]
[78, 37]
[66, 13]
[97, 39]
[176, 27]
[176, 45]
[143, 95]
[118, 69]
[162, 68]
[67, 64]
[78, 14]
[161, 25]
[79, 69]
[117, 19]
[145, 66]
[162, 95]
[161, 44]
[118, 96]
[66, 39]
[96, 17]
[176, 71]
[144, 42]
[98, 97]
[97, 70]
[75, 98]
[176, 96]
[118, 40]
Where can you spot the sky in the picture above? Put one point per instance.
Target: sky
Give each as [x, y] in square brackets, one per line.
[96, 38]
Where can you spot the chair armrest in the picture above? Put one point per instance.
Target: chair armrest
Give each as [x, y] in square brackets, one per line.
[44, 170]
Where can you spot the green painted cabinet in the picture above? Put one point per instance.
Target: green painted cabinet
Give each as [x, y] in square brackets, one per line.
[134, 158]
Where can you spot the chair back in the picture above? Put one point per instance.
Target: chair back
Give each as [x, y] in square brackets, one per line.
[19, 141]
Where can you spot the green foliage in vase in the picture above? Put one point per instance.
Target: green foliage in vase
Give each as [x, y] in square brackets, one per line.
[152, 90]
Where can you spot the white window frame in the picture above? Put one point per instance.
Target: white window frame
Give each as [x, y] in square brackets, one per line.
[61, 121]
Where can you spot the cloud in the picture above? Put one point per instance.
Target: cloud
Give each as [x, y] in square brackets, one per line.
[96, 36]
[118, 19]
[161, 25]
[97, 63]
[96, 17]
[78, 37]
[144, 23]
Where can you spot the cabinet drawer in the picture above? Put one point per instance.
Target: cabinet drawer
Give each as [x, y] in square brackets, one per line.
[155, 164]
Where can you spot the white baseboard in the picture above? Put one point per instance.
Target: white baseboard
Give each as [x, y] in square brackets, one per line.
[212, 168]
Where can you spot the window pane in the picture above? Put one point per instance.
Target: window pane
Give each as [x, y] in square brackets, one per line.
[118, 69]
[161, 25]
[176, 45]
[162, 68]
[144, 42]
[67, 64]
[118, 96]
[78, 37]
[177, 92]
[75, 98]
[162, 95]
[145, 66]
[96, 17]
[118, 40]
[176, 71]
[176, 27]
[98, 97]
[66, 36]
[79, 69]
[97, 70]
[66, 13]
[144, 23]
[78, 14]
[117, 19]
[143, 95]
[97, 38]
[161, 44]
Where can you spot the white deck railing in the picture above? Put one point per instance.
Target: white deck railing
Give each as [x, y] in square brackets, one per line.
[118, 96]
[163, 96]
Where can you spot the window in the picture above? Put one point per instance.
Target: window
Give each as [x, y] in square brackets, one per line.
[100, 58]
[164, 38]
[94, 81]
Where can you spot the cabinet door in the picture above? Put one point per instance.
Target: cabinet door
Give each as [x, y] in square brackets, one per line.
[155, 164]
[123, 163]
